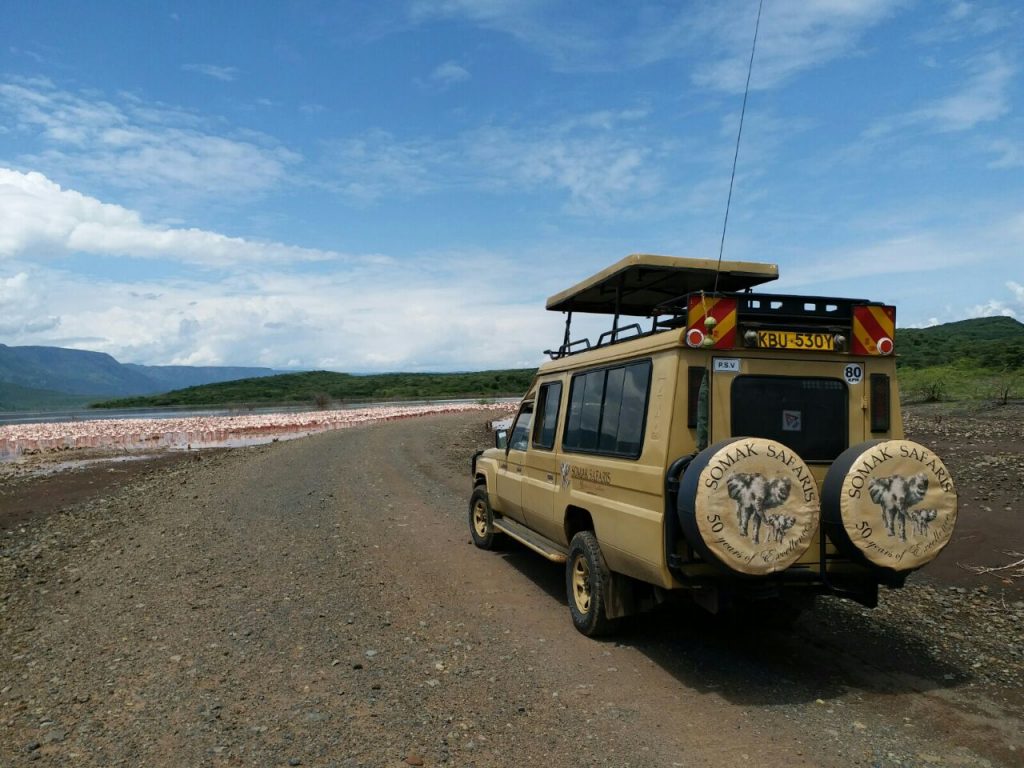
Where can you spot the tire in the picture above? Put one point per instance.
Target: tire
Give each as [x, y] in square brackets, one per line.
[586, 584]
[481, 519]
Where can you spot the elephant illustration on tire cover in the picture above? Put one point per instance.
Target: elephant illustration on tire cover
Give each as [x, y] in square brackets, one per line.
[754, 494]
[896, 495]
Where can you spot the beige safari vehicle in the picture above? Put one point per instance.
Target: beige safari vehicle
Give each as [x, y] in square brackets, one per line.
[743, 447]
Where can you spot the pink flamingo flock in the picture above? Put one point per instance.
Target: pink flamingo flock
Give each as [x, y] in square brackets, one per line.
[204, 431]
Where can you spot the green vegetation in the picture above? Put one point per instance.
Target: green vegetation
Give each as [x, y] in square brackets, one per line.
[16, 398]
[960, 382]
[980, 359]
[320, 388]
[994, 343]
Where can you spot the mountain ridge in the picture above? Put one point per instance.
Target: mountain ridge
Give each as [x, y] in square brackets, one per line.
[83, 374]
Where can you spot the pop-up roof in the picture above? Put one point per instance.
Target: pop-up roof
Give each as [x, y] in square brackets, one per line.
[640, 282]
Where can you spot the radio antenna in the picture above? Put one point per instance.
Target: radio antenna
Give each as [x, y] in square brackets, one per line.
[736, 154]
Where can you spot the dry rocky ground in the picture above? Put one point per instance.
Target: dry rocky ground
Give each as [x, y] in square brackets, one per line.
[317, 603]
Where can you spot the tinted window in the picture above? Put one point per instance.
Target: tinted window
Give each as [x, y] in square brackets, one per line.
[634, 409]
[607, 410]
[547, 415]
[612, 408]
[808, 415]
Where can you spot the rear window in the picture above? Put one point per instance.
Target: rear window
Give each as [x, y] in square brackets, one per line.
[809, 415]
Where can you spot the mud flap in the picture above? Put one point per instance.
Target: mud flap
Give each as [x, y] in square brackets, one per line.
[625, 596]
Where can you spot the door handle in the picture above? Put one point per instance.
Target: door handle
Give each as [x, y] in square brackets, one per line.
[551, 478]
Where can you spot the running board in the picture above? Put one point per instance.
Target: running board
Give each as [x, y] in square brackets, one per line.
[542, 546]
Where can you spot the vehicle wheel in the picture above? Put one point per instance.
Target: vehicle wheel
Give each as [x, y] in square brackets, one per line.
[586, 579]
[481, 519]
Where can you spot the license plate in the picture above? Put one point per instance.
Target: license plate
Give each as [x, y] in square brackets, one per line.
[814, 342]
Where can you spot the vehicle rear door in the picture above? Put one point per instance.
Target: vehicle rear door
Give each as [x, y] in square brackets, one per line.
[814, 407]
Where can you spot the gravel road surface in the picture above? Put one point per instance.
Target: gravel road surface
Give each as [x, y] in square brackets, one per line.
[318, 603]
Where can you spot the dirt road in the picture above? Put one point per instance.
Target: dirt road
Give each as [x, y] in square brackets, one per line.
[318, 603]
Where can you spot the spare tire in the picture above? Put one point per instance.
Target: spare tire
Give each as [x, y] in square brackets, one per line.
[889, 503]
[750, 505]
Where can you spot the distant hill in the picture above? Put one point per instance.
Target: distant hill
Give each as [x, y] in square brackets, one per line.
[995, 343]
[15, 398]
[325, 386]
[92, 375]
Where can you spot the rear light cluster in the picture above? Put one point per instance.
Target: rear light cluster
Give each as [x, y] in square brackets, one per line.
[710, 322]
[713, 323]
[879, 402]
[874, 327]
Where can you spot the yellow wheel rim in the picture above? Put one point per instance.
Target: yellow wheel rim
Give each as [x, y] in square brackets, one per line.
[581, 584]
[480, 519]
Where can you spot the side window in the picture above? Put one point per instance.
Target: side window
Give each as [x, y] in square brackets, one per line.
[547, 415]
[521, 430]
[585, 398]
[607, 410]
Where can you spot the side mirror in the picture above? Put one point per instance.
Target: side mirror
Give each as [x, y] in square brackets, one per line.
[501, 438]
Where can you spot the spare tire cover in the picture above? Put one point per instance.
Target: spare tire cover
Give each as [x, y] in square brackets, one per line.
[749, 504]
[891, 503]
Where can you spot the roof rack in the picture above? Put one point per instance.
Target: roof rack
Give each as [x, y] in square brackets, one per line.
[640, 285]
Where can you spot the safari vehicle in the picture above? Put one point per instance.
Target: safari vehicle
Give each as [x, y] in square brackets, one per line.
[744, 447]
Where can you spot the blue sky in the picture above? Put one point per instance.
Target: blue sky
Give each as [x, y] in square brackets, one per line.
[399, 186]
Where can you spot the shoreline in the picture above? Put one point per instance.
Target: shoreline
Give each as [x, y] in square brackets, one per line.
[123, 435]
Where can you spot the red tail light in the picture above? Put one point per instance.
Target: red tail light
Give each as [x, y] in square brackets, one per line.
[880, 412]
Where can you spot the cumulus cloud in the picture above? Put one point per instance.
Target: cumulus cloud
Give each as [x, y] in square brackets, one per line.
[441, 312]
[448, 317]
[39, 217]
[1002, 307]
[133, 145]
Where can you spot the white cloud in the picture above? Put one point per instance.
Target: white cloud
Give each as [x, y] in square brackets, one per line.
[601, 172]
[1001, 307]
[588, 157]
[440, 312]
[449, 73]
[1010, 153]
[981, 98]
[376, 165]
[366, 317]
[795, 35]
[133, 145]
[224, 74]
[37, 216]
